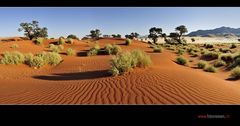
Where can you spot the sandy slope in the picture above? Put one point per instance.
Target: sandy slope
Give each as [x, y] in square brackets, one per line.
[85, 80]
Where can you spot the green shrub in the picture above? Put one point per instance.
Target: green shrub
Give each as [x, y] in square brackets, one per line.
[14, 46]
[225, 50]
[116, 49]
[50, 45]
[70, 40]
[193, 54]
[37, 62]
[70, 52]
[181, 60]
[61, 41]
[140, 58]
[157, 49]
[61, 47]
[210, 69]
[233, 46]
[181, 51]
[227, 57]
[202, 64]
[235, 63]
[39, 41]
[125, 61]
[12, 58]
[94, 50]
[121, 63]
[235, 73]
[219, 63]
[28, 58]
[56, 48]
[211, 55]
[108, 49]
[128, 41]
[208, 46]
[52, 58]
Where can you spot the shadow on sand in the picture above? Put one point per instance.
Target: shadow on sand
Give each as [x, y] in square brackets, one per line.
[231, 79]
[75, 76]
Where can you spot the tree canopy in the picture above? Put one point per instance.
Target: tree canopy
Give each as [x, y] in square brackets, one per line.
[32, 30]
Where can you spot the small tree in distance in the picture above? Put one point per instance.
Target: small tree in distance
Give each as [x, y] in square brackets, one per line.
[181, 29]
[32, 30]
[95, 34]
[72, 36]
[154, 33]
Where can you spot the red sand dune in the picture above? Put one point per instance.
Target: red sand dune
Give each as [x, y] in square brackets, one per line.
[85, 80]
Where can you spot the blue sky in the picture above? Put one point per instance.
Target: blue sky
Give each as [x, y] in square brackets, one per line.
[79, 21]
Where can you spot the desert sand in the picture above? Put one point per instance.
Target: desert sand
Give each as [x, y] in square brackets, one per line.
[85, 80]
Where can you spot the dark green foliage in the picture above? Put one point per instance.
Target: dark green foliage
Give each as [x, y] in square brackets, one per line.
[32, 30]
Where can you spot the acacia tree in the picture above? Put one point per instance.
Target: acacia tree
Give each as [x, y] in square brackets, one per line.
[72, 36]
[95, 34]
[116, 36]
[132, 35]
[32, 30]
[154, 33]
[181, 29]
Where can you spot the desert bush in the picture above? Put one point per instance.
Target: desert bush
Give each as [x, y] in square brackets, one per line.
[181, 51]
[235, 63]
[140, 58]
[36, 62]
[128, 41]
[125, 61]
[121, 63]
[157, 49]
[61, 47]
[202, 64]
[12, 58]
[52, 58]
[61, 41]
[227, 57]
[210, 69]
[39, 41]
[193, 54]
[193, 40]
[56, 48]
[14, 46]
[70, 52]
[219, 63]
[233, 46]
[28, 58]
[181, 60]
[225, 50]
[208, 46]
[69, 40]
[116, 49]
[92, 52]
[50, 45]
[108, 49]
[210, 55]
[235, 73]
